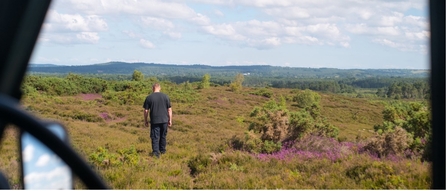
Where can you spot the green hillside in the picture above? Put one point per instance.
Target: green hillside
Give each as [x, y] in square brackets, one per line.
[210, 145]
[152, 69]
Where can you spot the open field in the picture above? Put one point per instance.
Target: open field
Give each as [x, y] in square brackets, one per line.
[198, 152]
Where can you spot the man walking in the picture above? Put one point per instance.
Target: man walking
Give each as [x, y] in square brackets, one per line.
[158, 106]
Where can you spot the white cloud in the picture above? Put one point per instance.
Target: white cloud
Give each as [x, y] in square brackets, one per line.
[58, 38]
[365, 14]
[321, 19]
[269, 34]
[154, 8]
[417, 35]
[226, 31]
[401, 46]
[200, 19]
[59, 178]
[74, 23]
[166, 27]
[43, 160]
[388, 31]
[392, 20]
[325, 29]
[310, 22]
[146, 44]
[157, 23]
[389, 43]
[88, 37]
[268, 3]
[63, 28]
[288, 12]
[266, 43]
[28, 153]
[307, 40]
[416, 21]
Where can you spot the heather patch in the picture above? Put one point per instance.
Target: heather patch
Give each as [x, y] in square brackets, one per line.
[314, 147]
[115, 117]
[89, 97]
[105, 116]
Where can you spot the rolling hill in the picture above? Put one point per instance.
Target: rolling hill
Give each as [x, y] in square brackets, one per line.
[152, 69]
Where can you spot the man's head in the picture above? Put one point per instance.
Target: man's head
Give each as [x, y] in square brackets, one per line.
[156, 87]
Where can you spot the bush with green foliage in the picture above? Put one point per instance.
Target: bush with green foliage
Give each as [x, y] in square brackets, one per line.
[277, 125]
[272, 121]
[414, 118]
[198, 164]
[236, 85]
[309, 122]
[72, 84]
[251, 142]
[88, 84]
[123, 97]
[263, 92]
[205, 83]
[182, 93]
[137, 76]
[306, 98]
[102, 158]
[394, 142]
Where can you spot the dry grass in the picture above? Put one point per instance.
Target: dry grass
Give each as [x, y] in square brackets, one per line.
[202, 128]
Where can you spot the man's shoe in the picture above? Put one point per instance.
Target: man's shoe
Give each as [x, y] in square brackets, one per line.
[155, 155]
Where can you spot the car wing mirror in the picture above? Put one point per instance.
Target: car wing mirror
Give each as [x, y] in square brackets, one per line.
[41, 167]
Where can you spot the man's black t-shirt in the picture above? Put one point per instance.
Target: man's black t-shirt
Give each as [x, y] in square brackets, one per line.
[157, 103]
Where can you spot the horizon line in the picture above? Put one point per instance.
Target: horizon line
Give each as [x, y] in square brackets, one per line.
[231, 65]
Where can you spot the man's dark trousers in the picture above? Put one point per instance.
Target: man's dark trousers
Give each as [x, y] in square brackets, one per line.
[158, 137]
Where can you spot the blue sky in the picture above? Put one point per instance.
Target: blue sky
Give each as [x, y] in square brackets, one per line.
[296, 33]
[42, 168]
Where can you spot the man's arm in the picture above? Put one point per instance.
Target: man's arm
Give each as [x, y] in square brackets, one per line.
[170, 116]
[146, 123]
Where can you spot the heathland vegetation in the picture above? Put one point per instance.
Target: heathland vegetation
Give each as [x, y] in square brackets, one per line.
[230, 135]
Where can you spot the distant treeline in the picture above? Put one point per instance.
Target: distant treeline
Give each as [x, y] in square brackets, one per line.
[197, 71]
[406, 88]
[71, 84]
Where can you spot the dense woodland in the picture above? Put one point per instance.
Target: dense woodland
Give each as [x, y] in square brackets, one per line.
[385, 87]
[254, 133]
[387, 83]
[198, 71]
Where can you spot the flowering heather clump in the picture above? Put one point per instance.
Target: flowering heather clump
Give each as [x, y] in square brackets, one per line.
[105, 116]
[314, 147]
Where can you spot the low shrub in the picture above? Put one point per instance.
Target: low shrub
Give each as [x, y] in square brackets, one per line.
[253, 144]
[263, 92]
[102, 158]
[198, 164]
[389, 143]
[377, 175]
